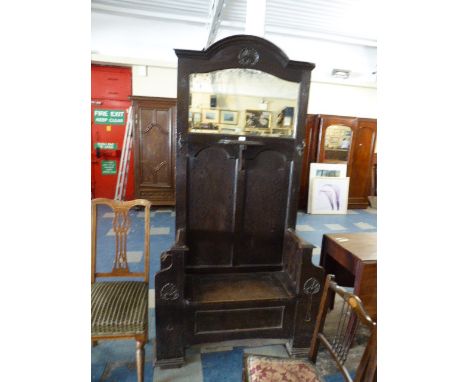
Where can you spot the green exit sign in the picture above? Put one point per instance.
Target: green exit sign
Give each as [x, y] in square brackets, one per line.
[109, 117]
[108, 167]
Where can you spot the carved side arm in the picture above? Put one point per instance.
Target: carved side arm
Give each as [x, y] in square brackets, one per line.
[307, 280]
[170, 304]
[298, 261]
[169, 281]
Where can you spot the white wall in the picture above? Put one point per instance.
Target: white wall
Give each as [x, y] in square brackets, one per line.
[158, 82]
[353, 101]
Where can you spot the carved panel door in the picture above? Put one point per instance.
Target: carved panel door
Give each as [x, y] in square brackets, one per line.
[154, 149]
[237, 194]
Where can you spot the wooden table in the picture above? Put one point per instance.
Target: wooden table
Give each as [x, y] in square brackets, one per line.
[352, 258]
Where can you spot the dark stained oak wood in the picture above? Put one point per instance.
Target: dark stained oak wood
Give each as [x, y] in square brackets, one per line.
[237, 269]
[352, 258]
[310, 154]
[154, 149]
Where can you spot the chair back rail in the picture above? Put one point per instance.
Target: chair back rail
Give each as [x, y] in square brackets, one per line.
[338, 343]
[121, 225]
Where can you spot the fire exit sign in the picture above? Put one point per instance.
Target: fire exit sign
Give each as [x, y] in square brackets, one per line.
[109, 117]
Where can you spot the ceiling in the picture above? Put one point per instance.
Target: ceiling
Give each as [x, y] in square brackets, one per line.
[334, 34]
[349, 21]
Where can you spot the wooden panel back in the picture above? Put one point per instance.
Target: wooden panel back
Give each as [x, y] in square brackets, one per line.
[263, 224]
[211, 191]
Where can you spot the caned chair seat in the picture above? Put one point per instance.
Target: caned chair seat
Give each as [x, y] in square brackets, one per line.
[119, 308]
[272, 369]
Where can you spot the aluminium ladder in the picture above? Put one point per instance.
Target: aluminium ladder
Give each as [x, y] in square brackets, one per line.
[122, 177]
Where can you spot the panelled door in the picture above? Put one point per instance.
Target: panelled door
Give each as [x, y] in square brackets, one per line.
[154, 149]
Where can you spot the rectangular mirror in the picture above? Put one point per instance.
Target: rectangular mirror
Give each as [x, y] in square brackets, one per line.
[242, 102]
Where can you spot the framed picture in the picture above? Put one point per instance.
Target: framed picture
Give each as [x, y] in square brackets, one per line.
[328, 195]
[327, 169]
[210, 115]
[229, 117]
[258, 119]
[196, 117]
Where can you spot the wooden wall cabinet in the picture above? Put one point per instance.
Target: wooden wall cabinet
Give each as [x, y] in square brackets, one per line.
[154, 132]
[359, 157]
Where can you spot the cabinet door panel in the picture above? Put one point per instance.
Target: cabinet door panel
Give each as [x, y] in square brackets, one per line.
[154, 159]
[362, 160]
[155, 147]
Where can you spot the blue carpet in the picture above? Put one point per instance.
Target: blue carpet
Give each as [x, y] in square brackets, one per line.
[223, 366]
[119, 372]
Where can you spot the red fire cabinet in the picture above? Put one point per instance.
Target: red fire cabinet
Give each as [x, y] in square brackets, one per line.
[110, 89]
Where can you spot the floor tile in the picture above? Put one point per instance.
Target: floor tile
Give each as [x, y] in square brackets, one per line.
[304, 228]
[190, 372]
[213, 349]
[335, 227]
[164, 210]
[96, 371]
[159, 231]
[273, 350]
[151, 300]
[141, 214]
[122, 371]
[223, 366]
[134, 256]
[363, 225]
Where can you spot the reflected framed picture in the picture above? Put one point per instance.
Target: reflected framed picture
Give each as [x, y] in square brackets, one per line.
[258, 119]
[328, 195]
[196, 117]
[229, 117]
[210, 115]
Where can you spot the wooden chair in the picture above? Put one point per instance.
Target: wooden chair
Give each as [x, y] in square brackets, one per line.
[338, 344]
[119, 308]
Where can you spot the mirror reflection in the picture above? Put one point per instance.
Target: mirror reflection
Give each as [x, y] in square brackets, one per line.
[337, 143]
[242, 102]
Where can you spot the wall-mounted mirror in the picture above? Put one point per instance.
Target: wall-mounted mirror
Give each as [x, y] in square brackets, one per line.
[242, 102]
[338, 140]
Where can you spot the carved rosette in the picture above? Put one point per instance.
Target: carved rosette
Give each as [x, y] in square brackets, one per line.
[169, 292]
[248, 57]
[311, 286]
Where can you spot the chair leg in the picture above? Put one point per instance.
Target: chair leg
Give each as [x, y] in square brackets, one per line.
[140, 360]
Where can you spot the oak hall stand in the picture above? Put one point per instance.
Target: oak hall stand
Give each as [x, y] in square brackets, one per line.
[237, 269]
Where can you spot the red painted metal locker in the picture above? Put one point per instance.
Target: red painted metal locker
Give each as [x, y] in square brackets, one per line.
[110, 89]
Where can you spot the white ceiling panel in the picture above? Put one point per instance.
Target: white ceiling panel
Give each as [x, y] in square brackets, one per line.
[334, 34]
